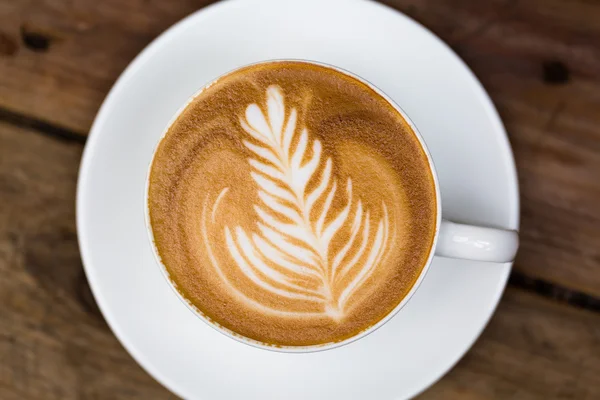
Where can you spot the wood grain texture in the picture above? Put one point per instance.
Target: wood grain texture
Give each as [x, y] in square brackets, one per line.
[69, 53]
[533, 348]
[540, 62]
[54, 343]
[539, 59]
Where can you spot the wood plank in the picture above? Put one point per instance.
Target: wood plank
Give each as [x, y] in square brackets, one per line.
[539, 59]
[554, 128]
[533, 348]
[69, 53]
[540, 62]
[54, 344]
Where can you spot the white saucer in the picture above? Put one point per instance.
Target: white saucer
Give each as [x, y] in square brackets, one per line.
[455, 116]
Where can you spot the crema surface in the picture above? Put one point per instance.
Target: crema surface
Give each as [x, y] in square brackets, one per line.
[292, 204]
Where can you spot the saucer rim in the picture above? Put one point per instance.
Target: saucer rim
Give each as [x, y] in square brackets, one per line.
[138, 63]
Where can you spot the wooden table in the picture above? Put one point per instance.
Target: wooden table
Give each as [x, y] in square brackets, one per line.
[539, 60]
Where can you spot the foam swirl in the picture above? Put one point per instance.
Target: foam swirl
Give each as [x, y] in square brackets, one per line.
[291, 204]
[290, 252]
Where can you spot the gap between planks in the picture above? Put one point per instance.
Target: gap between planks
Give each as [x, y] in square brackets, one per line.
[40, 126]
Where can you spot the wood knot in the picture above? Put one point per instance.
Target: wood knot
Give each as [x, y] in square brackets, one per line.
[555, 72]
[36, 40]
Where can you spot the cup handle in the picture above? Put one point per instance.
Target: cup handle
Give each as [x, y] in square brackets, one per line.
[476, 242]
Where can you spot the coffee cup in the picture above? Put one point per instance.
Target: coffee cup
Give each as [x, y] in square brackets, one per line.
[249, 245]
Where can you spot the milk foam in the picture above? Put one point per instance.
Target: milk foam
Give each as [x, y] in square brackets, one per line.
[289, 250]
[291, 204]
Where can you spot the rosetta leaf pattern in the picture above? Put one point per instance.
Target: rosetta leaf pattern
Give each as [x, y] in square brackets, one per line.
[289, 252]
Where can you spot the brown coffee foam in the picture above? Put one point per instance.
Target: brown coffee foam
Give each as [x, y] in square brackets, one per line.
[366, 138]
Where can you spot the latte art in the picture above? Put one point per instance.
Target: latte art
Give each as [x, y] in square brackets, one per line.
[291, 204]
[290, 253]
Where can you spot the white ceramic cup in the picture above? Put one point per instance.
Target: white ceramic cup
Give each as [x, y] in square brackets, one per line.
[452, 239]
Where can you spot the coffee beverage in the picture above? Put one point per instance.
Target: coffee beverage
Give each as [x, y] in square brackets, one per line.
[291, 204]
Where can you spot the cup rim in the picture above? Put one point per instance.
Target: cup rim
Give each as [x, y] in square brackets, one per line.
[317, 347]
